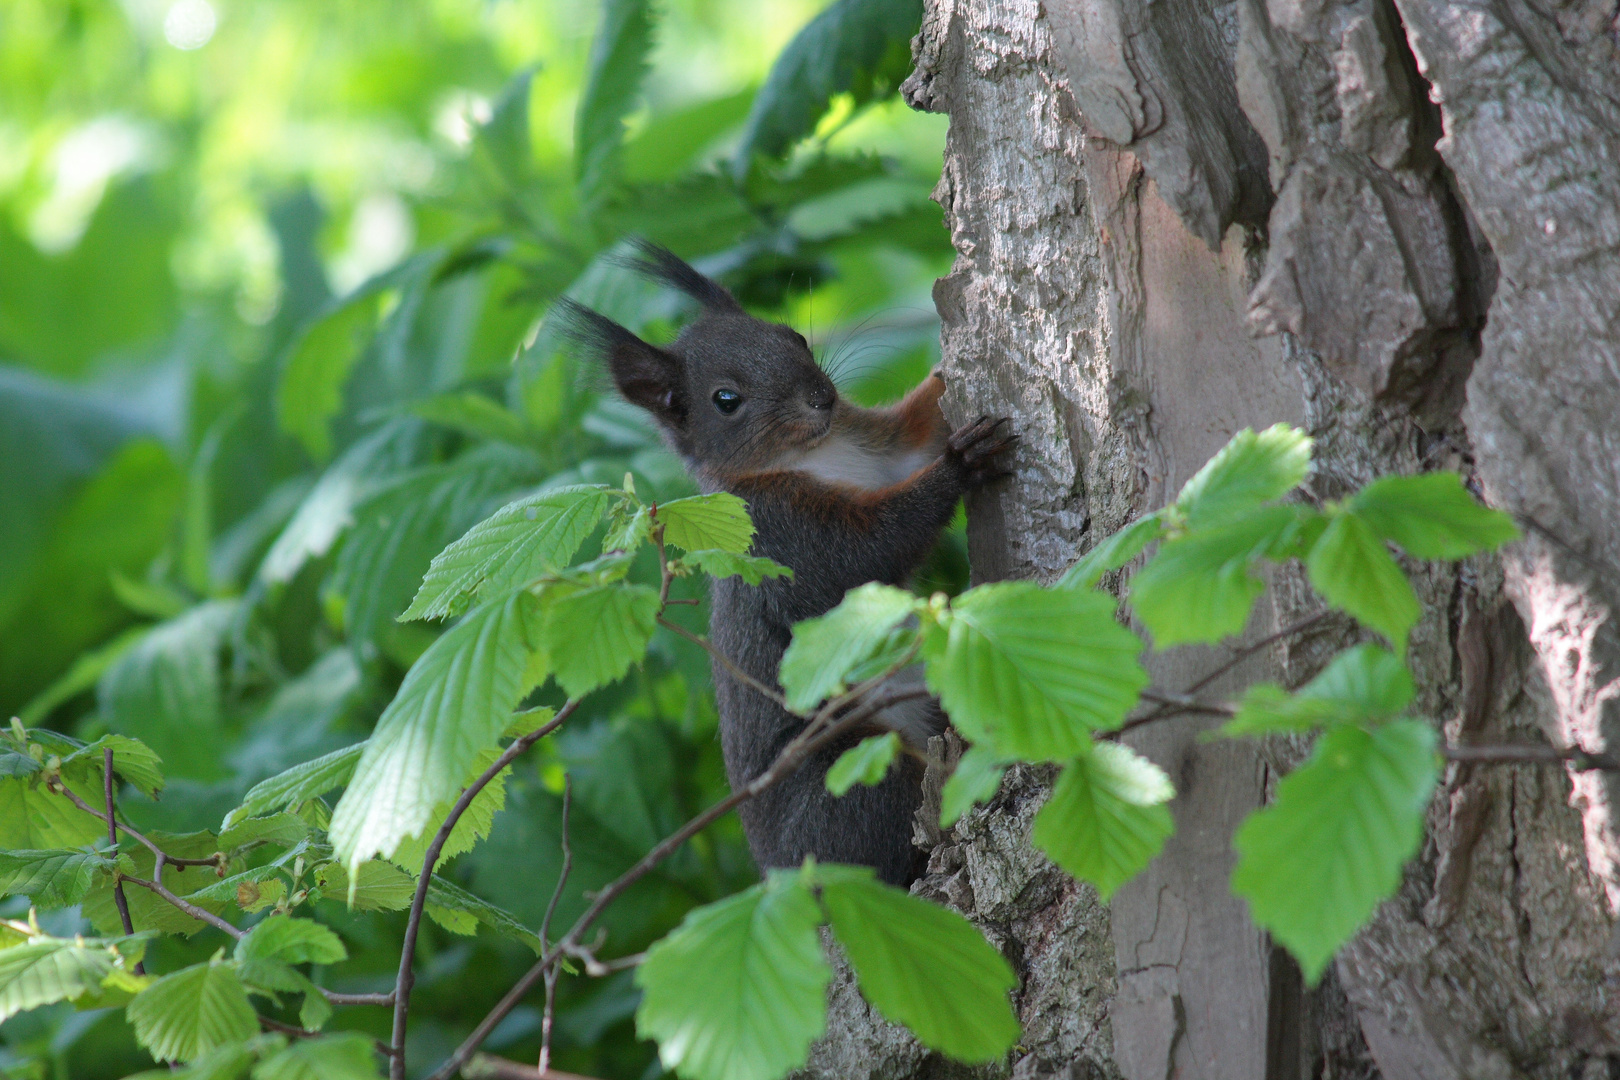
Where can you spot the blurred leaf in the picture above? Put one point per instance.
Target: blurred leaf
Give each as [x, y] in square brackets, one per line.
[1355, 573]
[708, 521]
[51, 878]
[41, 972]
[292, 941]
[858, 47]
[921, 965]
[1432, 516]
[1032, 671]
[1249, 470]
[472, 414]
[193, 1011]
[453, 704]
[758, 958]
[595, 634]
[670, 141]
[824, 650]
[298, 784]
[133, 760]
[446, 897]
[1317, 862]
[1362, 684]
[976, 780]
[867, 762]
[518, 543]
[83, 675]
[346, 1055]
[147, 910]
[377, 886]
[1112, 552]
[504, 139]
[618, 63]
[1106, 819]
[167, 689]
[751, 568]
[31, 818]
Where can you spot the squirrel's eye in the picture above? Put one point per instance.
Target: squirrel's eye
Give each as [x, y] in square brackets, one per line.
[727, 401]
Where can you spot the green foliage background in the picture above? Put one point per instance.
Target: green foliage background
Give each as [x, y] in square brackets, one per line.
[271, 337]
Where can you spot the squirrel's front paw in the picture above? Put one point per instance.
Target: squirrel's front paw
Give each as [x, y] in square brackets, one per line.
[976, 445]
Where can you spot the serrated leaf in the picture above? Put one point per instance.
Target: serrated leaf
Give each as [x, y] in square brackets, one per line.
[976, 780]
[472, 413]
[758, 958]
[473, 825]
[628, 529]
[867, 762]
[147, 910]
[377, 886]
[346, 1055]
[184, 1015]
[699, 522]
[452, 705]
[33, 819]
[1201, 586]
[1106, 819]
[826, 648]
[40, 972]
[1032, 672]
[1362, 684]
[1432, 516]
[299, 784]
[291, 941]
[1316, 863]
[856, 47]
[1112, 553]
[618, 63]
[450, 899]
[1253, 468]
[753, 569]
[518, 543]
[595, 634]
[51, 878]
[1355, 573]
[281, 829]
[921, 965]
[133, 760]
[251, 890]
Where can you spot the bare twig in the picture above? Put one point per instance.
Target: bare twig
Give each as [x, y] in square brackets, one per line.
[112, 838]
[406, 979]
[545, 928]
[63, 789]
[485, 1067]
[596, 969]
[1529, 754]
[189, 908]
[787, 762]
[1243, 652]
[725, 661]
[357, 999]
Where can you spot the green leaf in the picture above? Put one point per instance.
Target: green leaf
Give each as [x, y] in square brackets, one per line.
[618, 63]
[453, 704]
[1363, 684]
[474, 414]
[1316, 863]
[32, 819]
[518, 543]
[299, 784]
[318, 365]
[1199, 587]
[503, 142]
[1106, 819]
[447, 898]
[698, 522]
[921, 965]
[473, 825]
[292, 941]
[752, 568]
[1432, 516]
[44, 971]
[346, 1055]
[628, 528]
[377, 886]
[1112, 553]
[1354, 572]
[826, 648]
[184, 1015]
[976, 780]
[251, 890]
[867, 762]
[1249, 470]
[280, 829]
[147, 910]
[595, 634]
[1033, 672]
[856, 47]
[758, 958]
[136, 762]
[52, 878]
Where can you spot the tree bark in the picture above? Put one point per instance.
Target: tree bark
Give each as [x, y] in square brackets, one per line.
[1398, 225]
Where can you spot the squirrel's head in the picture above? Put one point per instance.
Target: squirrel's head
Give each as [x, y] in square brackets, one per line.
[733, 393]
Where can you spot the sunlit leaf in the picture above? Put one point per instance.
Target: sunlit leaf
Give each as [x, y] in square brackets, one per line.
[867, 762]
[1432, 516]
[147, 910]
[826, 648]
[751, 568]
[921, 965]
[1106, 819]
[344, 1055]
[1362, 684]
[299, 784]
[595, 634]
[41, 972]
[976, 780]
[473, 825]
[1354, 572]
[292, 941]
[1316, 863]
[33, 819]
[1112, 553]
[445, 897]
[377, 886]
[52, 878]
[1201, 586]
[1253, 468]
[698, 522]
[193, 1011]
[133, 760]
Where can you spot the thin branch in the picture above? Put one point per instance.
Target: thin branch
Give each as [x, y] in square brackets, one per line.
[787, 762]
[112, 838]
[357, 999]
[1185, 703]
[63, 789]
[485, 1067]
[190, 909]
[596, 969]
[725, 661]
[545, 929]
[406, 978]
[1243, 652]
[1530, 754]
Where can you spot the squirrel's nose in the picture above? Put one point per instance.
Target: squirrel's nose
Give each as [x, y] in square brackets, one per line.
[823, 399]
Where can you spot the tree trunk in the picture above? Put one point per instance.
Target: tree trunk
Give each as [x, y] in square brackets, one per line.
[1174, 221]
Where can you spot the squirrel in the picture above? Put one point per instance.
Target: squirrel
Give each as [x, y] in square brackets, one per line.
[842, 495]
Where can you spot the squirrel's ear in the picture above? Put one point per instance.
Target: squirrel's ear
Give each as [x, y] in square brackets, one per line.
[645, 374]
[664, 266]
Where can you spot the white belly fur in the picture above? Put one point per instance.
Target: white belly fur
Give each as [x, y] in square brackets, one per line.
[835, 462]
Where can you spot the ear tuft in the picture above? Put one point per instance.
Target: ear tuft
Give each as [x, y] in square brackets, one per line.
[665, 267]
[646, 375]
